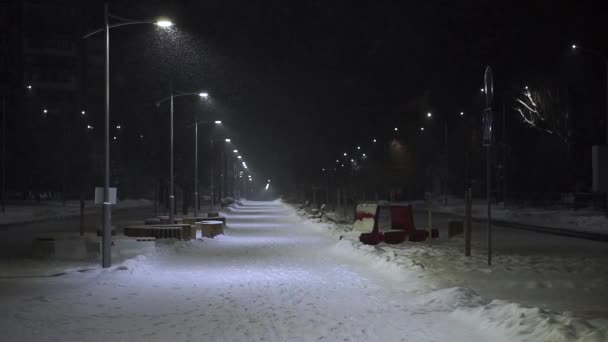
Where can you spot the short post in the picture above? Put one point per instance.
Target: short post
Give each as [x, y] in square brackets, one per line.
[430, 212]
[467, 221]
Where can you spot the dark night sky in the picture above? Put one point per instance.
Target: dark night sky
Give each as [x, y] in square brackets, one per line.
[300, 81]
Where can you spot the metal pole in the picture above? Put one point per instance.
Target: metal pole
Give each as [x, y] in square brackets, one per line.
[195, 211]
[212, 169]
[106, 242]
[447, 163]
[3, 154]
[222, 185]
[488, 194]
[171, 187]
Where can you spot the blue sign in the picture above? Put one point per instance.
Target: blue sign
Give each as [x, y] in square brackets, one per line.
[486, 127]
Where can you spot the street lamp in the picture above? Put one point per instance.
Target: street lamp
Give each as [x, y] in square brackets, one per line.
[106, 241]
[602, 56]
[171, 177]
[447, 156]
[196, 124]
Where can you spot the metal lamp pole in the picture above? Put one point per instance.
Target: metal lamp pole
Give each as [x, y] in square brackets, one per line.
[487, 128]
[106, 258]
[196, 123]
[171, 178]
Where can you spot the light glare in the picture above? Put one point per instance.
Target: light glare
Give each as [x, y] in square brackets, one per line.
[164, 23]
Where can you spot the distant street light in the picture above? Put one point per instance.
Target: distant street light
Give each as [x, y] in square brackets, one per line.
[602, 56]
[396, 129]
[83, 112]
[170, 98]
[374, 140]
[461, 113]
[196, 199]
[422, 128]
[429, 114]
[29, 86]
[106, 250]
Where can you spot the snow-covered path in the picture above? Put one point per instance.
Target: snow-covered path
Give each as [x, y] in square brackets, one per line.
[271, 278]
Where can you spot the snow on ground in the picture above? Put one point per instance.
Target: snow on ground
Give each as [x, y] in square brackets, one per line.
[586, 220]
[45, 210]
[556, 278]
[270, 278]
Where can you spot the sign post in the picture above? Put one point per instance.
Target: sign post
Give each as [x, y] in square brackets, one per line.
[488, 81]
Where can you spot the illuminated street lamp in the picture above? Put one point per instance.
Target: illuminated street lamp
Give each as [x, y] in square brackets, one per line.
[196, 124]
[106, 256]
[605, 59]
[170, 98]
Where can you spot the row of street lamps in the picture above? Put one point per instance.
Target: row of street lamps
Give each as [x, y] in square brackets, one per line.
[106, 209]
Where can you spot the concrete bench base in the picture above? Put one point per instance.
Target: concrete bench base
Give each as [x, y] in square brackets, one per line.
[209, 229]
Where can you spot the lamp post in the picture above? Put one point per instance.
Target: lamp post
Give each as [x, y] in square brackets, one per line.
[106, 256]
[171, 178]
[602, 56]
[196, 124]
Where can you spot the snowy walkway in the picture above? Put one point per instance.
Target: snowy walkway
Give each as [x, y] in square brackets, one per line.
[271, 278]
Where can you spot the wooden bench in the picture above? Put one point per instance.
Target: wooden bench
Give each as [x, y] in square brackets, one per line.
[160, 231]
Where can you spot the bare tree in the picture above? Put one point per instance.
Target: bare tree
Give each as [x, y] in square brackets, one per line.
[547, 110]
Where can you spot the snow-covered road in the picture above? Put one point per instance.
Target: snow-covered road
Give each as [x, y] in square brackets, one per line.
[270, 278]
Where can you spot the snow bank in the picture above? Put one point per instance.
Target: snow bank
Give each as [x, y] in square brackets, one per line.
[521, 323]
[409, 273]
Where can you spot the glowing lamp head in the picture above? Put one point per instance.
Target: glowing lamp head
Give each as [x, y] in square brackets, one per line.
[83, 112]
[239, 157]
[218, 122]
[204, 95]
[164, 23]
[461, 113]
[227, 140]
[429, 114]
[235, 151]
[574, 46]
[422, 128]
[396, 129]
[29, 86]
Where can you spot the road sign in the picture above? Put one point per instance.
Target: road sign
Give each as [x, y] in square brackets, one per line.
[99, 195]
